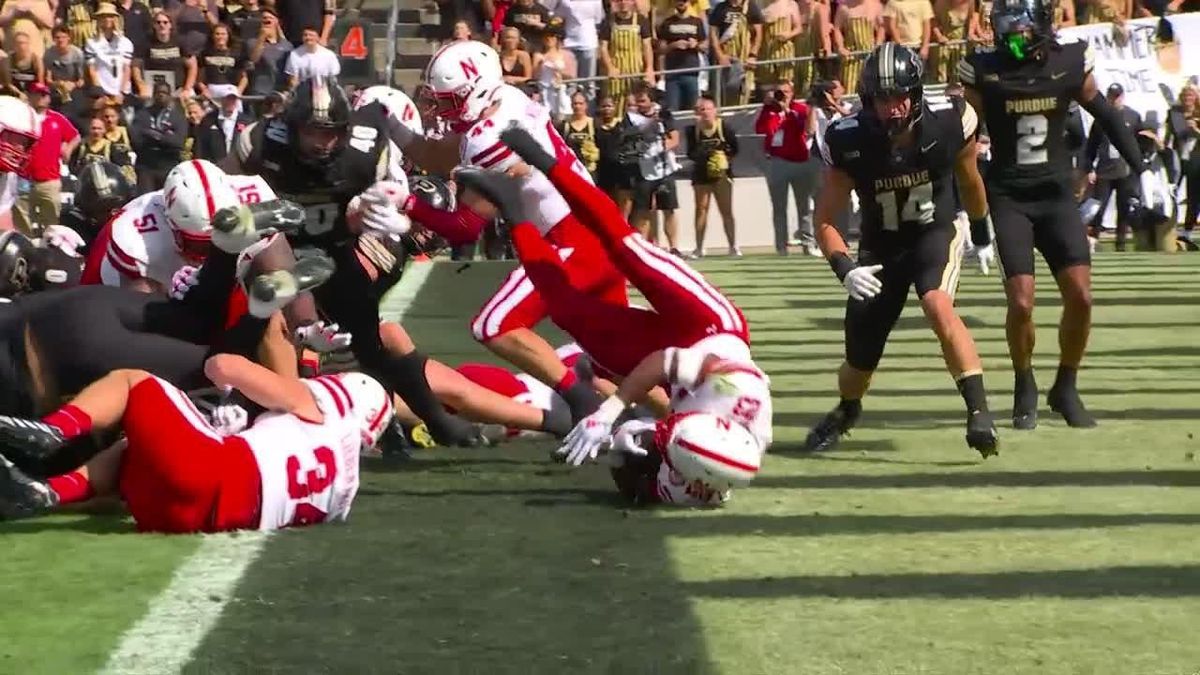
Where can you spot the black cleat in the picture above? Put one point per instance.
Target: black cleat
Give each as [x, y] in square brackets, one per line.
[235, 228]
[22, 496]
[502, 190]
[1066, 402]
[274, 290]
[29, 443]
[524, 144]
[832, 427]
[982, 435]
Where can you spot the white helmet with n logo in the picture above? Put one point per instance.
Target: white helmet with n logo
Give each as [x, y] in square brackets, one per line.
[712, 449]
[193, 191]
[462, 76]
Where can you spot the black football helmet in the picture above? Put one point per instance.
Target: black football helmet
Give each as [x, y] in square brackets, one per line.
[15, 252]
[1023, 28]
[893, 70]
[318, 103]
[435, 192]
[102, 191]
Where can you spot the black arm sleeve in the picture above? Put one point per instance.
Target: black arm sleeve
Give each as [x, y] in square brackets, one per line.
[1121, 137]
[1076, 135]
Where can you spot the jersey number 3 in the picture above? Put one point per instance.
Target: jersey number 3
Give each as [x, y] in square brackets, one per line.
[1031, 139]
[304, 484]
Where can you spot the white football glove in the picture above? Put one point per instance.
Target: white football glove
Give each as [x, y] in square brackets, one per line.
[322, 337]
[382, 206]
[862, 283]
[592, 432]
[229, 419]
[626, 441]
[183, 280]
[985, 255]
[64, 239]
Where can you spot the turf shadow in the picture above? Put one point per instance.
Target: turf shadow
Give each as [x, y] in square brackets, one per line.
[971, 479]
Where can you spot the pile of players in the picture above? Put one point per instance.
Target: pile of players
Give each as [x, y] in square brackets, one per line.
[237, 279]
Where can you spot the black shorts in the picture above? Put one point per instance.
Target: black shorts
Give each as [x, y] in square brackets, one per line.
[929, 260]
[655, 195]
[1048, 221]
[1128, 191]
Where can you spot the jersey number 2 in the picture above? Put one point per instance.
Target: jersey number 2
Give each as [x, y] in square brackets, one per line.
[917, 207]
[1031, 139]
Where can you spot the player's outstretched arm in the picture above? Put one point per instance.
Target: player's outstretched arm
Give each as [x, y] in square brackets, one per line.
[268, 389]
[1121, 137]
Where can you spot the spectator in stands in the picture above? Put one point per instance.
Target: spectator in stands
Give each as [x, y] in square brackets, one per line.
[97, 147]
[460, 32]
[910, 23]
[159, 132]
[514, 61]
[453, 12]
[109, 55]
[952, 23]
[25, 66]
[580, 19]
[296, 16]
[1183, 135]
[273, 105]
[244, 19]
[136, 23]
[579, 131]
[711, 150]
[222, 69]
[784, 122]
[64, 66]
[531, 18]
[39, 209]
[658, 140]
[859, 26]
[83, 105]
[165, 60]
[1064, 13]
[267, 55]
[736, 27]
[625, 50]
[682, 42]
[814, 41]
[30, 17]
[781, 25]
[193, 21]
[114, 127]
[311, 59]
[195, 113]
[77, 17]
[219, 129]
[1106, 11]
[1108, 173]
[550, 67]
[610, 170]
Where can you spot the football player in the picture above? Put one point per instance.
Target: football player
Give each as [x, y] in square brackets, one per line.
[102, 191]
[296, 465]
[1023, 88]
[694, 339]
[902, 154]
[466, 82]
[19, 130]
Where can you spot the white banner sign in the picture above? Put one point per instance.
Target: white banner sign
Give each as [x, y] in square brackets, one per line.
[1151, 75]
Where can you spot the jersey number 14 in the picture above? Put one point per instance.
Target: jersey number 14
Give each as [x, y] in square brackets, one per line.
[917, 207]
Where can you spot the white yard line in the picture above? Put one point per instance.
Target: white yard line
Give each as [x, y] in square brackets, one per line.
[181, 616]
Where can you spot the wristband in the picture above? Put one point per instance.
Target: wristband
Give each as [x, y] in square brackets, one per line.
[841, 264]
[981, 230]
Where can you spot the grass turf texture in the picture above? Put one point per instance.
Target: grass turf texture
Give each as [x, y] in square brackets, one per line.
[901, 553]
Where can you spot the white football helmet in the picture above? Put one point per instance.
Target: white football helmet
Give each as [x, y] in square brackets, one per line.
[717, 451]
[370, 404]
[404, 123]
[193, 191]
[19, 130]
[462, 76]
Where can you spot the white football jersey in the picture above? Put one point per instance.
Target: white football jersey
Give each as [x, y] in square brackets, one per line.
[142, 245]
[309, 471]
[738, 390]
[481, 147]
[8, 192]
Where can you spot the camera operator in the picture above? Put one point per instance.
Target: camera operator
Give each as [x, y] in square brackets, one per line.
[650, 129]
[784, 123]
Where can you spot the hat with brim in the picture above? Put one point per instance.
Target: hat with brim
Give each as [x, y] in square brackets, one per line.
[106, 9]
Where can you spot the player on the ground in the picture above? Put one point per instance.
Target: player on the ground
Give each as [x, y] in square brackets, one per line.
[1023, 89]
[694, 339]
[160, 232]
[466, 81]
[902, 154]
[19, 130]
[296, 465]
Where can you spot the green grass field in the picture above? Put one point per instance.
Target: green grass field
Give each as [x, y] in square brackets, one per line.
[901, 553]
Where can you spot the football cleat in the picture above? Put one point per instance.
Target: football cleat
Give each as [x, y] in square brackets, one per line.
[1025, 396]
[20, 495]
[235, 228]
[28, 443]
[1066, 402]
[274, 290]
[981, 434]
[838, 422]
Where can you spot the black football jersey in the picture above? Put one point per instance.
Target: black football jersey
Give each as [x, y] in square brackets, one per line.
[902, 191]
[1025, 109]
[324, 190]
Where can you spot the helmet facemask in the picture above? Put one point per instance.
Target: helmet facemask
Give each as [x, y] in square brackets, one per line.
[15, 147]
[1020, 28]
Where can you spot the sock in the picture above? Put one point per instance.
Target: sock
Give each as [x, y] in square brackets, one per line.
[973, 394]
[1066, 377]
[557, 420]
[850, 406]
[71, 487]
[72, 421]
[1025, 388]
